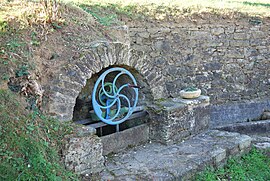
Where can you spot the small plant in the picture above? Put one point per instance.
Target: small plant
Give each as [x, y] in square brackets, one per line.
[34, 39]
[3, 26]
[191, 89]
[5, 76]
[23, 70]
[13, 45]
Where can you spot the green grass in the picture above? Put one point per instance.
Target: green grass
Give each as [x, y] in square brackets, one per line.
[252, 166]
[103, 18]
[161, 8]
[29, 143]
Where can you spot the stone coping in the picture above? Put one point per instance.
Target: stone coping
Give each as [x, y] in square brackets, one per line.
[176, 103]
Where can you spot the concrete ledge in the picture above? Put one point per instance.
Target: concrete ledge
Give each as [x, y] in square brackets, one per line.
[121, 140]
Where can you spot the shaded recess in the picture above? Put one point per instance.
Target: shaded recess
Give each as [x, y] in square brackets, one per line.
[83, 106]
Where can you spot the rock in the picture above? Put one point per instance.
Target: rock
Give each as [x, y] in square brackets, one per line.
[217, 31]
[265, 115]
[264, 145]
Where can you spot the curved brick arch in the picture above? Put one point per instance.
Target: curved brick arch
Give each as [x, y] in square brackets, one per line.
[73, 77]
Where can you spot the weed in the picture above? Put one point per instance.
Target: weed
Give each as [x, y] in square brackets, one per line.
[3, 26]
[34, 39]
[191, 89]
[160, 9]
[5, 77]
[22, 71]
[12, 45]
[51, 9]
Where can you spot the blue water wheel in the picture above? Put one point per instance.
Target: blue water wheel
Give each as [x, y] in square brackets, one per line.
[112, 99]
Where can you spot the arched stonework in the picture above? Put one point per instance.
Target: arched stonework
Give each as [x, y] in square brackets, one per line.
[70, 80]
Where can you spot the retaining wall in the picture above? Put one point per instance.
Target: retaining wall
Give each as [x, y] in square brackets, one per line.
[228, 58]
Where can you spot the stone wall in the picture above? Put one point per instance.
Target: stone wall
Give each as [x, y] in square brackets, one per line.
[231, 113]
[229, 58]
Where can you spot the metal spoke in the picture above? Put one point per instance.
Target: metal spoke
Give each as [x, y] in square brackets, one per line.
[106, 96]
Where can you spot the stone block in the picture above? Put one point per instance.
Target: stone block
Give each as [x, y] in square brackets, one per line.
[217, 31]
[236, 112]
[244, 143]
[259, 35]
[173, 120]
[230, 29]
[219, 155]
[240, 36]
[235, 53]
[239, 43]
[83, 154]
[144, 34]
[153, 30]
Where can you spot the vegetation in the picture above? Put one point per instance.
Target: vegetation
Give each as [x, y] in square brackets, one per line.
[30, 143]
[162, 9]
[252, 166]
[190, 89]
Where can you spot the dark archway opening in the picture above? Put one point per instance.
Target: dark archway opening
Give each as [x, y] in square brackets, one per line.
[83, 110]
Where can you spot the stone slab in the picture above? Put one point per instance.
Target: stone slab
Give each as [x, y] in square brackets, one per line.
[180, 161]
[121, 140]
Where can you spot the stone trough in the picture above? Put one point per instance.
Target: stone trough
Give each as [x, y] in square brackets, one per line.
[174, 144]
[169, 121]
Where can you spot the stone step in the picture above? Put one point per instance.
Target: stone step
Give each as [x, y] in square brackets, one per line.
[259, 131]
[154, 161]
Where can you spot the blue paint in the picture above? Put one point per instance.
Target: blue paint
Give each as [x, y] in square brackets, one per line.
[107, 99]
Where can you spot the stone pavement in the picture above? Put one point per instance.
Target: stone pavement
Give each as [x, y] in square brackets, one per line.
[154, 161]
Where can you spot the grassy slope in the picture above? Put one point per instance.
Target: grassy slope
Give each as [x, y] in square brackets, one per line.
[30, 143]
[180, 7]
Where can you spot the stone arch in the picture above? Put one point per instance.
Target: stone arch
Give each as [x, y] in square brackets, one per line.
[70, 80]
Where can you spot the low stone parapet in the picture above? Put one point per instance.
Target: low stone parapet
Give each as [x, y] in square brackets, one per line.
[83, 152]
